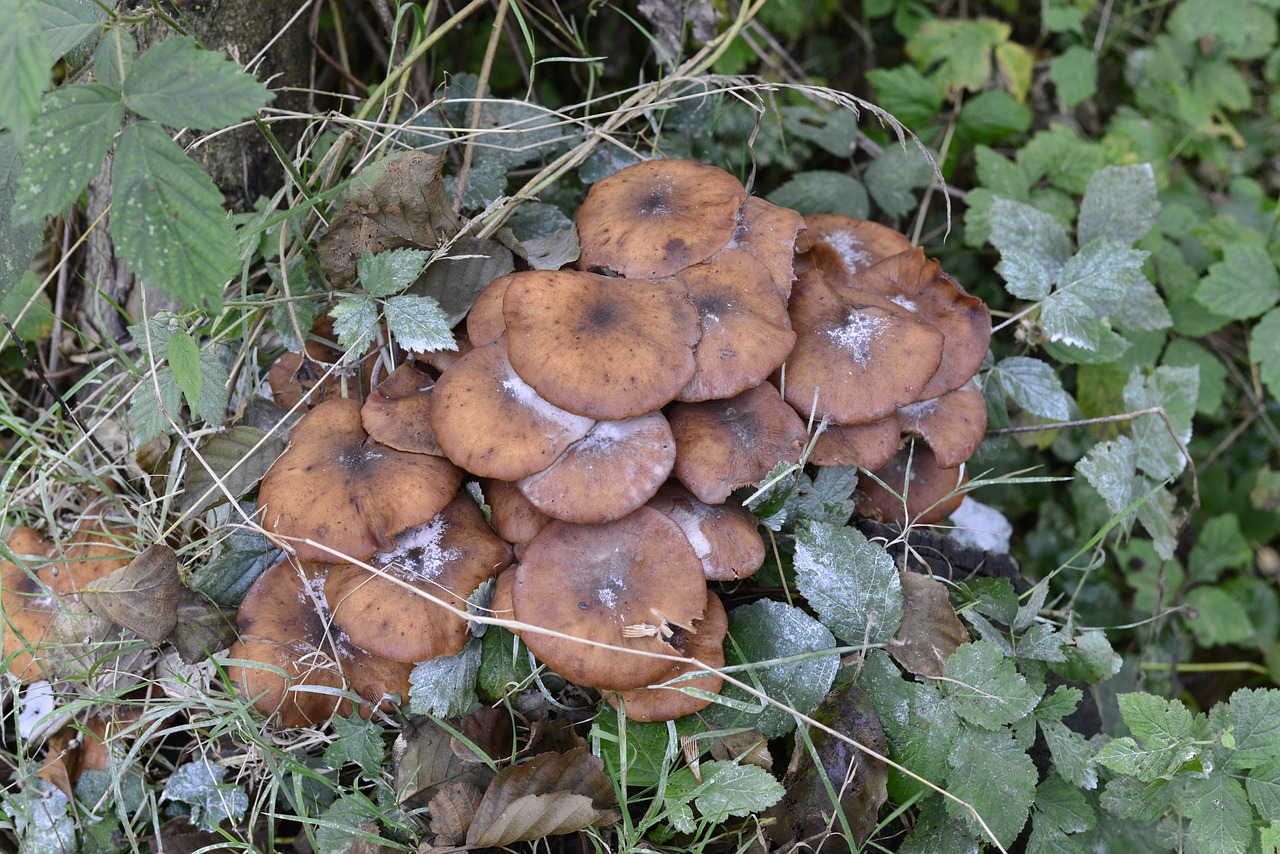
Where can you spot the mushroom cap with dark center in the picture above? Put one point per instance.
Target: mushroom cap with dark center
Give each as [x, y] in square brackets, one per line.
[869, 445]
[604, 348]
[26, 606]
[485, 323]
[706, 644]
[855, 244]
[655, 218]
[746, 331]
[918, 284]
[952, 424]
[627, 583]
[769, 233]
[492, 423]
[513, 517]
[858, 357]
[725, 537]
[448, 558]
[398, 412]
[336, 486]
[724, 444]
[931, 493]
[606, 474]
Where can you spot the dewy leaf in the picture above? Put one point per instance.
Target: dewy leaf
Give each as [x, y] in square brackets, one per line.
[930, 630]
[1024, 276]
[446, 687]
[1255, 714]
[199, 785]
[985, 687]
[184, 361]
[239, 457]
[179, 84]
[1018, 226]
[1120, 205]
[1221, 818]
[419, 324]
[996, 777]
[1175, 390]
[358, 741]
[354, 319]
[727, 789]
[390, 272]
[1035, 387]
[852, 584]
[167, 218]
[67, 145]
[143, 596]
[25, 60]
[1243, 284]
[67, 23]
[18, 240]
[1264, 349]
[549, 795]
[1110, 468]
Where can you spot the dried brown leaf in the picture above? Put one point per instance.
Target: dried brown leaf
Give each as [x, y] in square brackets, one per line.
[203, 628]
[930, 630]
[456, 279]
[422, 759]
[452, 810]
[143, 596]
[746, 748]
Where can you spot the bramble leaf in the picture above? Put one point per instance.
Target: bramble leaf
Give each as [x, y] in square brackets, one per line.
[1110, 468]
[996, 777]
[354, 319]
[985, 687]
[1255, 714]
[852, 584]
[390, 272]
[419, 324]
[1119, 205]
[1264, 350]
[1174, 390]
[25, 59]
[1034, 386]
[1221, 818]
[1243, 284]
[179, 84]
[445, 687]
[68, 143]
[67, 23]
[1020, 227]
[18, 240]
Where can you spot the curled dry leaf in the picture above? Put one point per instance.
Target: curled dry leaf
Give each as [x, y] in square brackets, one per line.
[452, 809]
[930, 630]
[142, 596]
[423, 758]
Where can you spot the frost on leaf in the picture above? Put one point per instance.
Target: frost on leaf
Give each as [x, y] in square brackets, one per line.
[852, 584]
[445, 687]
[198, 784]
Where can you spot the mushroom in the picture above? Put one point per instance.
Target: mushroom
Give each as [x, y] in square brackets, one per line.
[397, 412]
[655, 218]
[629, 584]
[26, 605]
[725, 537]
[513, 517]
[843, 246]
[337, 487]
[919, 492]
[603, 348]
[484, 321]
[952, 424]
[448, 558]
[869, 445]
[292, 377]
[769, 233]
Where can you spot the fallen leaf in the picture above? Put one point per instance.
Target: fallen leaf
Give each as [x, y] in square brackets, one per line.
[238, 458]
[456, 279]
[452, 810]
[930, 630]
[203, 628]
[422, 759]
[143, 596]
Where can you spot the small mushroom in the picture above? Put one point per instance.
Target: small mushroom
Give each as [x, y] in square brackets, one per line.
[291, 376]
[769, 233]
[725, 537]
[853, 244]
[398, 411]
[919, 492]
[952, 424]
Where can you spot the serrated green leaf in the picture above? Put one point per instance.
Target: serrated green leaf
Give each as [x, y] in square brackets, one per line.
[996, 777]
[959, 49]
[1068, 320]
[1264, 350]
[1059, 704]
[1142, 307]
[985, 687]
[1263, 788]
[821, 191]
[1255, 715]
[1236, 28]
[504, 663]
[358, 741]
[1034, 386]
[907, 94]
[18, 240]
[198, 784]
[1110, 468]
[1175, 390]
[1243, 284]
[179, 84]
[419, 324]
[1119, 205]
[1221, 545]
[1156, 758]
[1102, 273]
[1220, 620]
[935, 832]
[1130, 798]
[147, 409]
[1091, 659]
[241, 558]
[727, 789]
[446, 687]
[894, 176]
[1063, 807]
[1147, 715]
[1024, 276]
[852, 584]
[1075, 74]
[1221, 819]
[114, 57]
[184, 361]
[1155, 514]
[1072, 755]
[1000, 175]
[67, 23]
[167, 218]
[25, 60]
[1021, 227]
[1061, 156]
[390, 272]
[67, 145]
[232, 457]
[355, 319]
[213, 390]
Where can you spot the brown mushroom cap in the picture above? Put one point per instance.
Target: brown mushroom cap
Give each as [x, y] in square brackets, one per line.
[725, 537]
[398, 412]
[501, 605]
[441, 360]
[291, 377]
[724, 444]
[513, 517]
[655, 218]
[869, 445]
[706, 644]
[952, 424]
[858, 357]
[336, 486]
[931, 495]
[492, 423]
[625, 583]
[745, 330]
[769, 233]
[26, 605]
[484, 321]
[854, 244]
[448, 557]
[606, 474]
[604, 348]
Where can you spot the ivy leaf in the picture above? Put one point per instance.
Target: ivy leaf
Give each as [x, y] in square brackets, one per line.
[1110, 467]
[25, 59]
[1264, 350]
[358, 741]
[198, 784]
[1221, 818]
[853, 585]
[1243, 284]
[446, 687]
[167, 218]
[70, 140]
[1034, 386]
[179, 84]
[18, 240]
[985, 687]
[354, 319]
[1120, 205]
[1016, 226]
[996, 777]
[1174, 389]
[1024, 276]
[419, 324]
[390, 272]
[41, 817]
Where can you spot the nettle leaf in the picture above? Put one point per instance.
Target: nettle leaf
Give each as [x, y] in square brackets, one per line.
[18, 240]
[167, 218]
[1255, 715]
[198, 784]
[358, 741]
[852, 584]
[1120, 204]
[1016, 226]
[1264, 350]
[1175, 390]
[1110, 467]
[179, 84]
[821, 191]
[419, 324]
[26, 60]
[985, 687]
[67, 145]
[996, 777]
[446, 687]
[1243, 284]
[390, 272]
[1034, 386]
[354, 319]
[67, 23]
[1024, 276]
[1221, 818]
[147, 409]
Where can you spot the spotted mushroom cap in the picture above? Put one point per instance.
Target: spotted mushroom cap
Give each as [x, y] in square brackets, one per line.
[655, 218]
[336, 486]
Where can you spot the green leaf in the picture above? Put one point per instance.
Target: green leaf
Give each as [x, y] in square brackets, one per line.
[1091, 659]
[68, 143]
[1271, 838]
[28, 308]
[960, 50]
[1001, 175]
[67, 23]
[181, 85]
[358, 741]
[184, 361]
[821, 191]
[992, 116]
[390, 272]
[167, 218]
[727, 789]
[114, 57]
[419, 324]
[1062, 157]
[1110, 468]
[1059, 704]
[1263, 787]
[1264, 350]
[504, 663]
[213, 390]
[1255, 715]
[1243, 284]
[1147, 715]
[446, 687]
[199, 785]
[1175, 390]
[1221, 545]
[894, 175]
[18, 240]
[1021, 227]
[1119, 205]
[912, 98]
[1219, 618]
[996, 777]
[40, 815]
[1063, 807]
[1072, 755]
[1236, 28]
[1075, 73]
[355, 319]
[852, 584]
[239, 560]
[985, 687]
[1034, 386]
[1102, 273]
[338, 825]
[25, 60]
[147, 410]
[1024, 276]
[1221, 819]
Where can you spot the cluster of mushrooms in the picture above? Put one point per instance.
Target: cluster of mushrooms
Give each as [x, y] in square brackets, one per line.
[608, 413]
